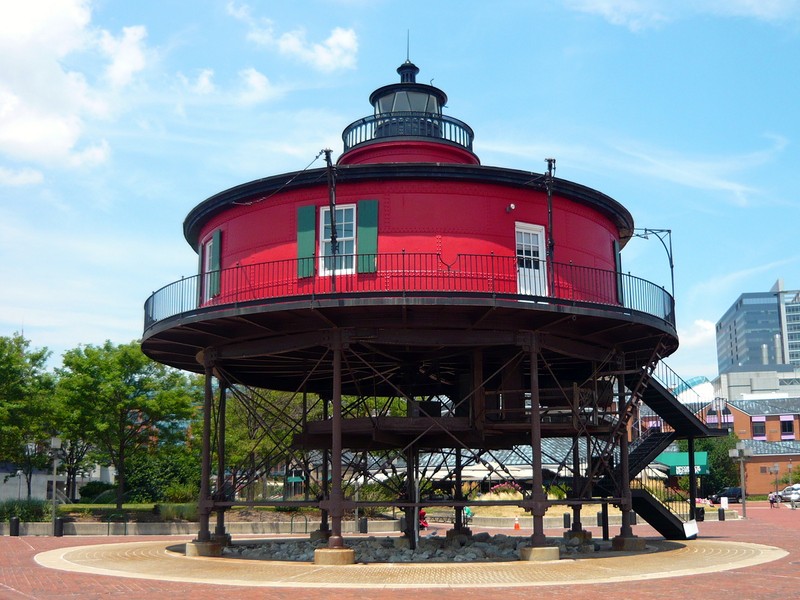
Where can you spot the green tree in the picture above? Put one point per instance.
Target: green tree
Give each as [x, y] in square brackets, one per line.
[722, 469]
[27, 421]
[792, 475]
[153, 475]
[259, 426]
[123, 402]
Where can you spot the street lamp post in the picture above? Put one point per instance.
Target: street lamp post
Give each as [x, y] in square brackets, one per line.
[775, 470]
[20, 473]
[740, 453]
[55, 446]
[790, 471]
[661, 234]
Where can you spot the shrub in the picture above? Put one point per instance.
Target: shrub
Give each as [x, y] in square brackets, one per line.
[93, 489]
[177, 492]
[559, 492]
[107, 497]
[374, 492]
[27, 510]
[178, 512]
[507, 487]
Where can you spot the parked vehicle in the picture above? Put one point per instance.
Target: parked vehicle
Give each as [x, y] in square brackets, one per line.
[785, 495]
[733, 494]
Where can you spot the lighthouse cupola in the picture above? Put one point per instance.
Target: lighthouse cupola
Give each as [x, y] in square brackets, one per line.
[407, 125]
[408, 95]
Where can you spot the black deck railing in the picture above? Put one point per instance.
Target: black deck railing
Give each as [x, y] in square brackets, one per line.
[408, 124]
[409, 274]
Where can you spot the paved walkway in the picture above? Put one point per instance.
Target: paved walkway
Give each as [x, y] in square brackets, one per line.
[754, 558]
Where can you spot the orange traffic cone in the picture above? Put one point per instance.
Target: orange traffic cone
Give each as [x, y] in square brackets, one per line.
[516, 522]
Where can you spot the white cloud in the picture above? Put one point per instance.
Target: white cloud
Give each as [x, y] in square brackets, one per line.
[699, 335]
[126, 53]
[638, 15]
[713, 174]
[62, 23]
[202, 85]
[91, 156]
[763, 10]
[257, 87]
[697, 354]
[45, 107]
[633, 14]
[733, 282]
[725, 174]
[241, 11]
[25, 176]
[338, 51]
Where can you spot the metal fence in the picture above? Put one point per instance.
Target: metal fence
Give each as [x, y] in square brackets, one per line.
[400, 274]
[417, 124]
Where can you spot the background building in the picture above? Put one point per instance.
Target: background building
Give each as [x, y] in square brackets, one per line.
[749, 333]
[760, 331]
[757, 393]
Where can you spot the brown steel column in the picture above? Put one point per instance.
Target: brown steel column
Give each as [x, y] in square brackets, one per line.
[222, 488]
[692, 482]
[337, 496]
[539, 498]
[324, 526]
[625, 479]
[412, 512]
[458, 521]
[204, 502]
[576, 483]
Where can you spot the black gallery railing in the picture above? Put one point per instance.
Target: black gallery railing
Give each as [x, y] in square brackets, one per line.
[408, 123]
[412, 274]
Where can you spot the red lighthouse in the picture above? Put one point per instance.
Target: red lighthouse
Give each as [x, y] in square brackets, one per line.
[424, 305]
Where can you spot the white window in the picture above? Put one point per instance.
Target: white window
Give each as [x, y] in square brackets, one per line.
[531, 272]
[210, 265]
[342, 260]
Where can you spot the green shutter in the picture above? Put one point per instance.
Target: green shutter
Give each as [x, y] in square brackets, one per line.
[367, 236]
[213, 280]
[306, 240]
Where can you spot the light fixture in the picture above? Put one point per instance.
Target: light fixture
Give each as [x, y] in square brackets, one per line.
[510, 207]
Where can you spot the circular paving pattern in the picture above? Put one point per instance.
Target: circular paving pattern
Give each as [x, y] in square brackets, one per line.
[156, 560]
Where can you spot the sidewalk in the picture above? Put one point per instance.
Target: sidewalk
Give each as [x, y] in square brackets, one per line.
[22, 578]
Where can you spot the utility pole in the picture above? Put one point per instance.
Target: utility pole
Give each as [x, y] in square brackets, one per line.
[332, 212]
[548, 182]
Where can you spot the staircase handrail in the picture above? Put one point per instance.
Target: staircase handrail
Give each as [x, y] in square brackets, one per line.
[671, 381]
[646, 434]
[670, 498]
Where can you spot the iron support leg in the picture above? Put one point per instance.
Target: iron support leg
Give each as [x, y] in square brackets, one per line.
[204, 504]
[692, 482]
[539, 498]
[576, 465]
[625, 478]
[337, 496]
[222, 487]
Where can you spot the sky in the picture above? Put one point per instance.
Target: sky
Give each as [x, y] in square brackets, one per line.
[117, 118]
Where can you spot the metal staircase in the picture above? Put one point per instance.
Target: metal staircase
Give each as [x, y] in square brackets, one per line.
[636, 380]
[666, 515]
[644, 450]
[652, 385]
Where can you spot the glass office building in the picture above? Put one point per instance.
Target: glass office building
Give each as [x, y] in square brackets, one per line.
[749, 333]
